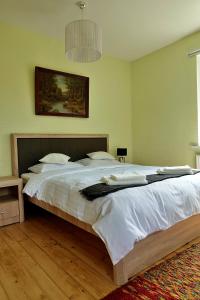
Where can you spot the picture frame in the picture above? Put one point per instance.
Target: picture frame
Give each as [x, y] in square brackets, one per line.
[61, 94]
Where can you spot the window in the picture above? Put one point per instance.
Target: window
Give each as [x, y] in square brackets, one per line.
[198, 96]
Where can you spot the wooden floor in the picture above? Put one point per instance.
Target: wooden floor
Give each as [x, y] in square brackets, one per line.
[48, 258]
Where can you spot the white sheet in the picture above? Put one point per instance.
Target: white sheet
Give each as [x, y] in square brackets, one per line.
[124, 217]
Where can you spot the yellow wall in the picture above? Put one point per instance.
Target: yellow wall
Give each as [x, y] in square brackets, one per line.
[157, 124]
[165, 105]
[110, 92]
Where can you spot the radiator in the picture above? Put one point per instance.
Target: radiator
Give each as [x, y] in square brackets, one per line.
[198, 161]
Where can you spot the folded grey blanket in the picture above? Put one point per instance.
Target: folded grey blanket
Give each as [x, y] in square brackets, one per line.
[101, 189]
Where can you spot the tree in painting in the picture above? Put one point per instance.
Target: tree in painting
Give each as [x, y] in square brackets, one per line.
[60, 93]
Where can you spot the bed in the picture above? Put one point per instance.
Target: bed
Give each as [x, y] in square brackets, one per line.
[27, 149]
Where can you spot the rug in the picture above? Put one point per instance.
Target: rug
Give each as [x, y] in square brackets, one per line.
[175, 278]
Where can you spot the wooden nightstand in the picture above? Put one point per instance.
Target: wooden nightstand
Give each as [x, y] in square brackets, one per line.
[11, 200]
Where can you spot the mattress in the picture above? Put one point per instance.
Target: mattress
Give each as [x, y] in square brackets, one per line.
[124, 217]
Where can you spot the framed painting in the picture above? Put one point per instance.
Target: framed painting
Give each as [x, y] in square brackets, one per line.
[61, 94]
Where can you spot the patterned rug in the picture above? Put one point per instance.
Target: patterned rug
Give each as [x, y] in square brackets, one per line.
[176, 278]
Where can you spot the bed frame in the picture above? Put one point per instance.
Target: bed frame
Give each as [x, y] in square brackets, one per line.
[28, 148]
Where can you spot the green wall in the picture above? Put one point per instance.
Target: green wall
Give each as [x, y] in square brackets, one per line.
[110, 92]
[165, 105]
[149, 106]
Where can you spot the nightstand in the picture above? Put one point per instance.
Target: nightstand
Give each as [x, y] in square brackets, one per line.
[11, 200]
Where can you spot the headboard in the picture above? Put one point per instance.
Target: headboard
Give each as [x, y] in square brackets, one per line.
[27, 149]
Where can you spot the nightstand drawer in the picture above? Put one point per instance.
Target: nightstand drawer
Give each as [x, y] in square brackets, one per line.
[9, 211]
[11, 200]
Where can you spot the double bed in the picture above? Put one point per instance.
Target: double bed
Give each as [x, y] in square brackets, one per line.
[134, 236]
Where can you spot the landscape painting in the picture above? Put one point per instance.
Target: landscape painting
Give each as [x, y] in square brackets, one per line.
[61, 94]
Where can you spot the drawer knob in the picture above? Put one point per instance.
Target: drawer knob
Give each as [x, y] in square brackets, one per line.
[2, 212]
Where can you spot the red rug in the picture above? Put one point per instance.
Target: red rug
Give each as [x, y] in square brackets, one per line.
[176, 278]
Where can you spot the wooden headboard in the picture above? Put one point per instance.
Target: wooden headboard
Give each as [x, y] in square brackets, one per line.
[27, 149]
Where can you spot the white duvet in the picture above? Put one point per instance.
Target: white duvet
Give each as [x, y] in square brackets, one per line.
[124, 217]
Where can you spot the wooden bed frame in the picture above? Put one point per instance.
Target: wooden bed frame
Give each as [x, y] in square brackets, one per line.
[145, 252]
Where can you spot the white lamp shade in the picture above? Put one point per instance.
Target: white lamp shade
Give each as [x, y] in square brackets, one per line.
[83, 41]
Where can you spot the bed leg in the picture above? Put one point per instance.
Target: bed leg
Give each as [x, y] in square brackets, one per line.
[119, 273]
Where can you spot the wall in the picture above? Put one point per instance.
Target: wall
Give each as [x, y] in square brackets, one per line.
[165, 105]
[110, 92]
[158, 126]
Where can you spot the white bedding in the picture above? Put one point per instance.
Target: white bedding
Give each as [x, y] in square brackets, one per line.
[124, 217]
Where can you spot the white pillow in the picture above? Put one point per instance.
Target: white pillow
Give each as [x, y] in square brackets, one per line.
[100, 155]
[98, 162]
[55, 158]
[43, 167]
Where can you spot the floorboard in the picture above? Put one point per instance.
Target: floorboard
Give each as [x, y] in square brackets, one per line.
[48, 258]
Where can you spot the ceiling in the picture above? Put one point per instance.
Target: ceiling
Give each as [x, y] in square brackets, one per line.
[131, 28]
